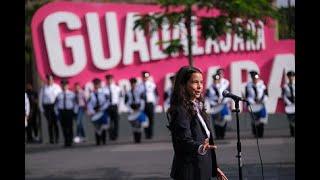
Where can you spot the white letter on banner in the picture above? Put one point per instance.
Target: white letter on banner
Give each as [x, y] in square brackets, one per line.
[237, 84]
[261, 43]
[226, 46]
[130, 45]
[281, 64]
[180, 32]
[165, 32]
[250, 45]
[95, 40]
[54, 47]
[238, 40]
[209, 44]
[196, 50]
[156, 52]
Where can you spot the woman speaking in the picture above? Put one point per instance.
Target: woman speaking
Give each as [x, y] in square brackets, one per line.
[194, 149]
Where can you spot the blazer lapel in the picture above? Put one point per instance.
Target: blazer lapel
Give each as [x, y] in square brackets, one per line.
[208, 126]
[201, 127]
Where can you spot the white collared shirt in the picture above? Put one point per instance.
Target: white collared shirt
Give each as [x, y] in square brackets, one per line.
[92, 103]
[260, 86]
[287, 93]
[70, 101]
[149, 88]
[26, 104]
[136, 100]
[48, 94]
[115, 93]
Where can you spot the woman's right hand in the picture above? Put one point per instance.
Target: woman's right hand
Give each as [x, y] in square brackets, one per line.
[207, 146]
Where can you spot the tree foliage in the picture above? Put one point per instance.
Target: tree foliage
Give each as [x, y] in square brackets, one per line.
[175, 12]
[30, 8]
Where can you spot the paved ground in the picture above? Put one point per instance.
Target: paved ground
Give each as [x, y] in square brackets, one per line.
[152, 160]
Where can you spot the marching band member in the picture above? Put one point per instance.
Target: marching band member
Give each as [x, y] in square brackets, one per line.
[224, 83]
[65, 105]
[113, 92]
[33, 128]
[289, 95]
[47, 98]
[219, 105]
[149, 93]
[26, 109]
[167, 95]
[97, 110]
[137, 118]
[257, 95]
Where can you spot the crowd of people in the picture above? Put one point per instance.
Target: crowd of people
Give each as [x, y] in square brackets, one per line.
[64, 105]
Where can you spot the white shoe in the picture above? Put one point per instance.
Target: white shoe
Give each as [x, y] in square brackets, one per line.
[77, 139]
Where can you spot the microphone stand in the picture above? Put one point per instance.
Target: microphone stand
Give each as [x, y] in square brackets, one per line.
[237, 110]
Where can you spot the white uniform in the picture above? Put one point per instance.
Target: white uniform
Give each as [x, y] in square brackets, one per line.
[137, 117]
[27, 109]
[219, 104]
[47, 98]
[289, 95]
[65, 107]
[114, 96]
[167, 96]
[134, 97]
[48, 95]
[289, 98]
[96, 109]
[257, 98]
[65, 101]
[150, 95]
[149, 91]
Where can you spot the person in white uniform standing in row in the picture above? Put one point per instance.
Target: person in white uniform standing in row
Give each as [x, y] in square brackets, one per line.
[149, 93]
[289, 97]
[113, 93]
[47, 98]
[257, 95]
[97, 111]
[65, 106]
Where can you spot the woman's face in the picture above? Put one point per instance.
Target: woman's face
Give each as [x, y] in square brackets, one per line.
[195, 85]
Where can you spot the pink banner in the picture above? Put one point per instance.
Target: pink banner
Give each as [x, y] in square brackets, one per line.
[81, 41]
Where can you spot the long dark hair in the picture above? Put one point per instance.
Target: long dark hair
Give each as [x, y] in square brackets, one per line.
[181, 97]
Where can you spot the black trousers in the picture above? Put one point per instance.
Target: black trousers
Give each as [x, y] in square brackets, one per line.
[101, 138]
[137, 137]
[257, 129]
[33, 125]
[114, 122]
[291, 118]
[66, 121]
[149, 110]
[220, 131]
[53, 128]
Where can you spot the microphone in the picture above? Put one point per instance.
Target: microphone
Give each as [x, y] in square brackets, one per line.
[228, 94]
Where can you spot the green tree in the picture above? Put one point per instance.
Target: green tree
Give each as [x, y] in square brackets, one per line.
[175, 12]
[30, 8]
[287, 23]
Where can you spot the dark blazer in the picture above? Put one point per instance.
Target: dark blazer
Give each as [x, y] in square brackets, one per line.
[187, 135]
